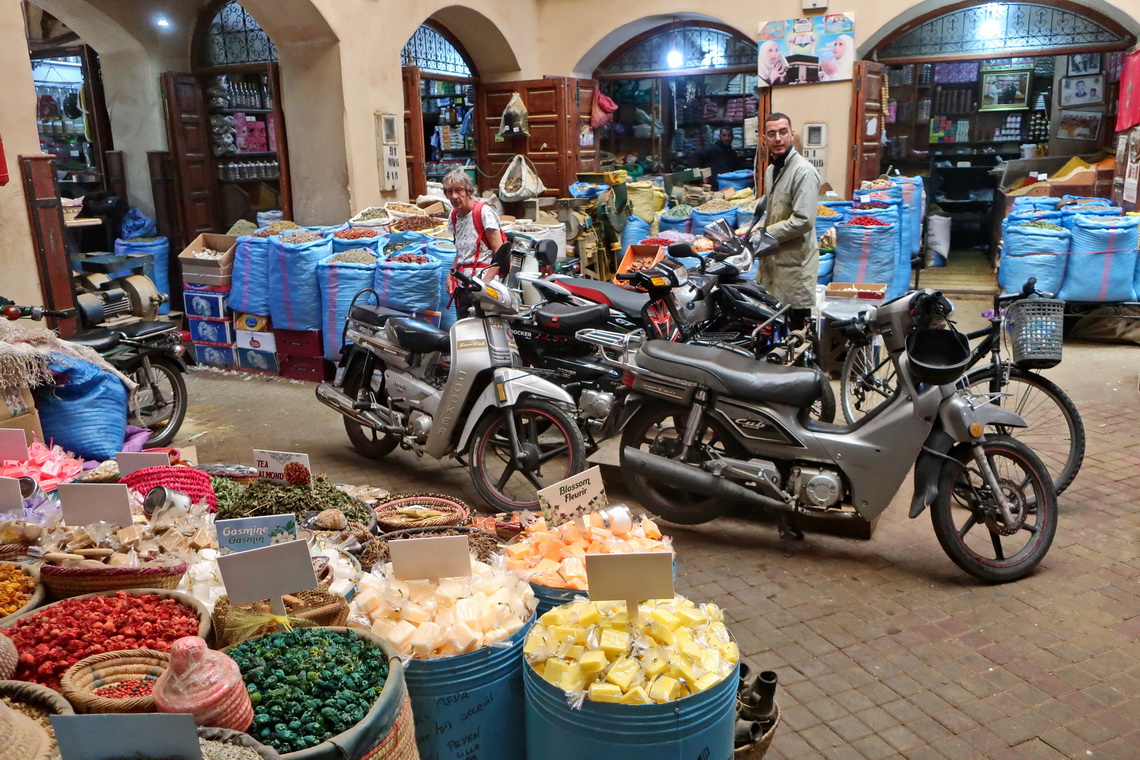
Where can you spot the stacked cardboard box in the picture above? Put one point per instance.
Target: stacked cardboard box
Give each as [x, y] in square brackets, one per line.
[206, 292]
[299, 355]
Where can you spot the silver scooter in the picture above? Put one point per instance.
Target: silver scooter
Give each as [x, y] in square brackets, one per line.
[711, 428]
[404, 382]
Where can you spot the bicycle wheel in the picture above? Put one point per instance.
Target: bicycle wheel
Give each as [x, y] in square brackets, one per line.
[867, 381]
[1055, 433]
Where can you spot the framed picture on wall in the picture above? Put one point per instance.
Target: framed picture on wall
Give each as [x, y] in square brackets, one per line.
[1083, 64]
[1079, 125]
[1082, 91]
[1005, 90]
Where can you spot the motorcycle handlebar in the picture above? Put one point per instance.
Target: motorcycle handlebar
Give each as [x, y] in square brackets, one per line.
[464, 278]
[13, 312]
[626, 276]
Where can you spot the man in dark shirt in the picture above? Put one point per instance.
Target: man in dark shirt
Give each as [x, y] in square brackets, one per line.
[720, 157]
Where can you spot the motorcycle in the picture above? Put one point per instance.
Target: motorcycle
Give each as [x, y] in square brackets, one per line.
[149, 352]
[404, 382]
[705, 428]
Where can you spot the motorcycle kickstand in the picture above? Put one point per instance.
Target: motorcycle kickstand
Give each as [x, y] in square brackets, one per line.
[789, 530]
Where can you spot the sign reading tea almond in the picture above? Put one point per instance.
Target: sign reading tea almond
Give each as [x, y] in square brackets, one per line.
[286, 468]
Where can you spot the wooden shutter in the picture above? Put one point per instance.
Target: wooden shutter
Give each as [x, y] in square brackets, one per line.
[580, 158]
[46, 216]
[545, 101]
[188, 130]
[415, 152]
[866, 123]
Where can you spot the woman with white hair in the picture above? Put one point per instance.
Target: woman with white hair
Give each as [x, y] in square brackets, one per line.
[477, 233]
[773, 66]
[841, 65]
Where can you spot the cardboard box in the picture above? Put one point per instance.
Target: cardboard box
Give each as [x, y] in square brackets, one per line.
[220, 282]
[252, 322]
[844, 300]
[217, 332]
[199, 287]
[206, 305]
[193, 269]
[312, 368]
[639, 257]
[29, 423]
[18, 401]
[431, 207]
[214, 356]
[257, 341]
[299, 342]
[251, 360]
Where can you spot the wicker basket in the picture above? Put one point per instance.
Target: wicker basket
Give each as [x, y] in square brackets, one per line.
[12, 552]
[1036, 327]
[760, 747]
[204, 625]
[81, 679]
[188, 480]
[64, 582]
[321, 607]
[388, 517]
[36, 599]
[36, 695]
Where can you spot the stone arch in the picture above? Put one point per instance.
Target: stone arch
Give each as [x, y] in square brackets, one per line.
[610, 43]
[480, 38]
[922, 11]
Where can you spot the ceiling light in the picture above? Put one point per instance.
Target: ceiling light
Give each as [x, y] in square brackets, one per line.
[674, 59]
[162, 21]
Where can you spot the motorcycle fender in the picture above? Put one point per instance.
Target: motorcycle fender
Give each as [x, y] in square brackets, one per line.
[957, 416]
[928, 469]
[130, 365]
[632, 403]
[507, 386]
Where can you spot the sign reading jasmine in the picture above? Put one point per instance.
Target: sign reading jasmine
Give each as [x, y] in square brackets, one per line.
[246, 533]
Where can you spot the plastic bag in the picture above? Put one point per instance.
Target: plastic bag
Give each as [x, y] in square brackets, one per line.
[86, 410]
[520, 181]
[204, 683]
[137, 224]
[514, 121]
[601, 110]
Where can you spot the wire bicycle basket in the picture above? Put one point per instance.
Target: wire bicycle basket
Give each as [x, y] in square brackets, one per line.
[1035, 332]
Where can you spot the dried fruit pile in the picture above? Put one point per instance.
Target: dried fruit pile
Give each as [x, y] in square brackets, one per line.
[356, 233]
[822, 210]
[867, 221]
[303, 236]
[664, 242]
[52, 639]
[408, 258]
[129, 689]
[415, 223]
[276, 229]
[404, 208]
[715, 205]
[15, 589]
[355, 256]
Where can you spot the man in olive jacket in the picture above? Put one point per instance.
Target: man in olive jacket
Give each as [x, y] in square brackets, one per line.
[792, 186]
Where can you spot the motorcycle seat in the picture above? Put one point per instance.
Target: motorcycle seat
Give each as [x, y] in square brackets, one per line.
[98, 340]
[419, 337]
[145, 329]
[568, 319]
[627, 301]
[731, 374]
[372, 315]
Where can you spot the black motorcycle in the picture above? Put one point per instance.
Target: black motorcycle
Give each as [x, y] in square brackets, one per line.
[150, 353]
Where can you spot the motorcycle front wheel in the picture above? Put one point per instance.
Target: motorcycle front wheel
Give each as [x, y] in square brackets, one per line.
[657, 428]
[551, 449]
[967, 519]
[367, 441]
[160, 402]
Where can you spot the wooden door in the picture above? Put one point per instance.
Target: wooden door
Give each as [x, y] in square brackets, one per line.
[48, 234]
[415, 152]
[285, 188]
[867, 118]
[545, 101]
[763, 108]
[580, 158]
[188, 131]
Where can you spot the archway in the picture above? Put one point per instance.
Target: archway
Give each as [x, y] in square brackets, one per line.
[632, 31]
[488, 48]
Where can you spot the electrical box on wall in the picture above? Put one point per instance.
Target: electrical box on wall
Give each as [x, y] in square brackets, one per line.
[815, 5]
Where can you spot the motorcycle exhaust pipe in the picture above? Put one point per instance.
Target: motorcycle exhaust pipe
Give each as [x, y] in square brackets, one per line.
[333, 398]
[690, 478]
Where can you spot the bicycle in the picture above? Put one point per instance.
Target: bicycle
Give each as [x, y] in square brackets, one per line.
[1056, 432]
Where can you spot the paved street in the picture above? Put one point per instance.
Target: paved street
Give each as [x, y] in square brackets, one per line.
[884, 648]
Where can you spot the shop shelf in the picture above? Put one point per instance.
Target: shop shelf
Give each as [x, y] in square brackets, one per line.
[241, 110]
[240, 156]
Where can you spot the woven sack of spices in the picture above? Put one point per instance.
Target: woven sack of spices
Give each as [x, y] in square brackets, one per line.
[294, 293]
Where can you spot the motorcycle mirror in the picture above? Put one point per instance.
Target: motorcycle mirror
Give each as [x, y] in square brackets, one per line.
[681, 250]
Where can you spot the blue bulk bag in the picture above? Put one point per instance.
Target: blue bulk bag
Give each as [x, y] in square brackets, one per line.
[681, 224]
[340, 245]
[1020, 216]
[443, 251]
[294, 293]
[636, 229]
[159, 249]
[136, 224]
[826, 268]
[339, 282]
[899, 216]
[85, 411]
[913, 195]
[701, 219]
[1070, 213]
[406, 286]
[586, 190]
[1036, 201]
[866, 254]
[1032, 252]
[740, 179]
[825, 223]
[1102, 259]
[1087, 200]
[249, 284]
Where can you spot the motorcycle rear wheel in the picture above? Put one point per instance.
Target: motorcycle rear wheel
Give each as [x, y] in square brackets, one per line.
[968, 524]
[160, 403]
[367, 442]
[657, 428]
[547, 431]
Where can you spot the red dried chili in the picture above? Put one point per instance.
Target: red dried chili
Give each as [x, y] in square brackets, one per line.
[663, 242]
[356, 233]
[870, 204]
[867, 221]
[53, 639]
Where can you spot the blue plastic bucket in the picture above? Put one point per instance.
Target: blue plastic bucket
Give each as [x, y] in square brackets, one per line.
[465, 705]
[700, 726]
[549, 598]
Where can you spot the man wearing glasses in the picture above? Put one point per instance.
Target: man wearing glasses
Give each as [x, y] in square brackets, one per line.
[792, 185]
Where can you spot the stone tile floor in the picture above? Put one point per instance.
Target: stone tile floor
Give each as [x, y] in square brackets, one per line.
[884, 648]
